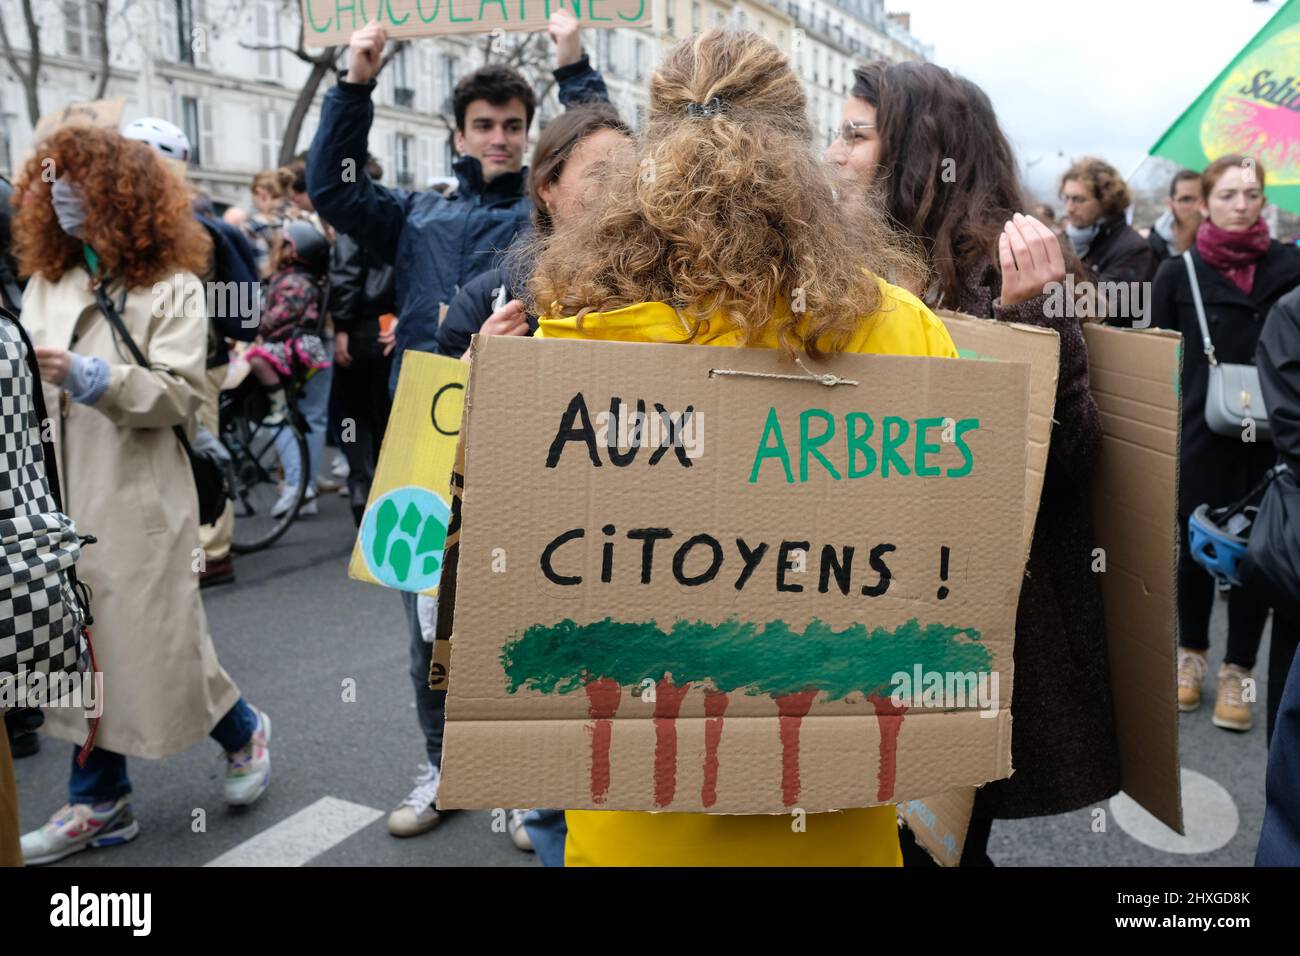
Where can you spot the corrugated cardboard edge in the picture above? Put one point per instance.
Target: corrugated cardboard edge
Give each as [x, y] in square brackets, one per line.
[940, 822]
[1143, 653]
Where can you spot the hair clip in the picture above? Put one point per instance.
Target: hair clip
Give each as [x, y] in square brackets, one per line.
[711, 108]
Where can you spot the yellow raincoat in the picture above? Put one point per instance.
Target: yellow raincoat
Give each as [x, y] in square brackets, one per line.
[864, 837]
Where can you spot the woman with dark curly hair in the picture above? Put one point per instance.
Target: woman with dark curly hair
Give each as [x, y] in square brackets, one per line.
[117, 219]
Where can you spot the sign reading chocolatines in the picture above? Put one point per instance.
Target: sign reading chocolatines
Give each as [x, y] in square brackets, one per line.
[329, 22]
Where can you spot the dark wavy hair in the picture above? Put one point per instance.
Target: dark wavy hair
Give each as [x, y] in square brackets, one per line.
[947, 173]
[138, 216]
[496, 83]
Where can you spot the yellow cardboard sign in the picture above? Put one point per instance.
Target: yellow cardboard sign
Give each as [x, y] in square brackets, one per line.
[404, 529]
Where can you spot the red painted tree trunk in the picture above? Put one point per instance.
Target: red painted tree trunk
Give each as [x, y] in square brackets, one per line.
[668, 701]
[793, 708]
[602, 703]
[715, 705]
[890, 717]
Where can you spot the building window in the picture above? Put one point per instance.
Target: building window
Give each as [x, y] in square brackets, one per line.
[639, 50]
[269, 127]
[193, 128]
[450, 73]
[669, 13]
[605, 50]
[405, 161]
[448, 157]
[403, 85]
[695, 18]
[185, 30]
[267, 20]
[83, 34]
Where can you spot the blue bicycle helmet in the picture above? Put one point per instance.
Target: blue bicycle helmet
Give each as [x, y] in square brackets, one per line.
[1218, 542]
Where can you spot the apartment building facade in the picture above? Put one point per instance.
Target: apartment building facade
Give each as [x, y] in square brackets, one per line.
[225, 72]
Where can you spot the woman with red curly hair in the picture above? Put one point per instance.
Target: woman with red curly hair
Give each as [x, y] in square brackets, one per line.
[96, 210]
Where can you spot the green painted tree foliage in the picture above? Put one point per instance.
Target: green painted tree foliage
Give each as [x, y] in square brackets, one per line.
[772, 658]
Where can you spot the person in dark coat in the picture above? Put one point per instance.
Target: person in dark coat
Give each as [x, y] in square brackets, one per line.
[1096, 197]
[362, 295]
[1241, 273]
[436, 243]
[361, 290]
[1278, 359]
[989, 261]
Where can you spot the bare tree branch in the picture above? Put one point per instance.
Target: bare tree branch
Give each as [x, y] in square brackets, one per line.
[99, 11]
[28, 79]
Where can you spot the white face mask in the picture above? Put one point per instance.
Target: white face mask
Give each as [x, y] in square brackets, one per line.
[69, 207]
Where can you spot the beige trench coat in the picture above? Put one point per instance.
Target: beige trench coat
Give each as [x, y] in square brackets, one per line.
[126, 480]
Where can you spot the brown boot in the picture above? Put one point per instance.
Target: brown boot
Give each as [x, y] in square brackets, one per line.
[1191, 675]
[1232, 712]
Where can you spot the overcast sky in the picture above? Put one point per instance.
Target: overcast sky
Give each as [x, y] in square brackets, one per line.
[1099, 76]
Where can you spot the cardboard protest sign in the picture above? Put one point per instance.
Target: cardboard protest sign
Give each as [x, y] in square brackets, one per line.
[940, 821]
[1135, 380]
[685, 589]
[405, 526]
[329, 22]
[103, 113]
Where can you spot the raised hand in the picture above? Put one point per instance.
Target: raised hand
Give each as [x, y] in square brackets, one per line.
[1030, 256]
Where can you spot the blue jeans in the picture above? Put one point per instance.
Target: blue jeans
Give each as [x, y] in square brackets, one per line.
[430, 705]
[314, 403]
[104, 775]
[548, 831]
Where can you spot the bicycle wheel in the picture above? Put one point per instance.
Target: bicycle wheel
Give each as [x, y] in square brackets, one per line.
[261, 458]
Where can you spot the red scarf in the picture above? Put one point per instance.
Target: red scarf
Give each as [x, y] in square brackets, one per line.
[1235, 254]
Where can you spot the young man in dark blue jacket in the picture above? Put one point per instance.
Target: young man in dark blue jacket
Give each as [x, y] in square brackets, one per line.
[436, 244]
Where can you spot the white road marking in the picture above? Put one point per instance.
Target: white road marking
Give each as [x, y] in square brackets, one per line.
[302, 837]
[1209, 817]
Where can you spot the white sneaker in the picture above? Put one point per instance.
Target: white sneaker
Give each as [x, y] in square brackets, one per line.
[417, 813]
[248, 771]
[518, 832]
[284, 504]
[309, 508]
[78, 826]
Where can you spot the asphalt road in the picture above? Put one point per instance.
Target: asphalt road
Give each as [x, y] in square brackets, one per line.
[293, 627]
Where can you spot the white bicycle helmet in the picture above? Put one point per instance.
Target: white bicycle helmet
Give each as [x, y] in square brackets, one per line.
[167, 139]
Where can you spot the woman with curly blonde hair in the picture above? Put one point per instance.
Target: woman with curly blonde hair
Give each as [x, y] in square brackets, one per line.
[115, 219]
[724, 230]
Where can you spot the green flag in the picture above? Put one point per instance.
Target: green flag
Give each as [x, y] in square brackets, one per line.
[1252, 107]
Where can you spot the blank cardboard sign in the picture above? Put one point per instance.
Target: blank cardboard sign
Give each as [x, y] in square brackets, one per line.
[723, 605]
[1135, 380]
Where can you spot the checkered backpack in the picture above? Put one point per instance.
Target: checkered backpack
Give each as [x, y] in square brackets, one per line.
[44, 609]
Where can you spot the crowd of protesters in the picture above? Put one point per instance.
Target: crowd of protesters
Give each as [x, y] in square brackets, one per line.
[744, 199]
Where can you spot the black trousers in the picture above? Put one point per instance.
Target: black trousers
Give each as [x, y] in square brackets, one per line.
[360, 404]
